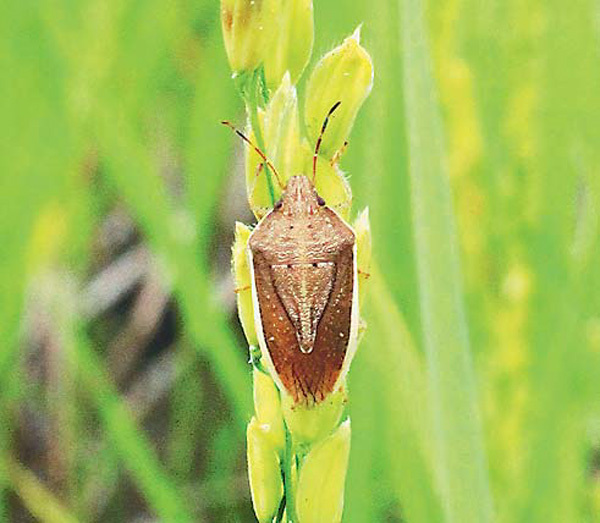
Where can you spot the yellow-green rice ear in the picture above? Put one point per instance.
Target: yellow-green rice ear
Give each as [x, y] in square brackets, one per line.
[242, 282]
[242, 22]
[362, 229]
[330, 182]
[264, 471]
[310, 424]
[281, 131]
[320, 494]
[344, 75]
[280, 128]
[290, 45]
[257, 188]
[267, 406]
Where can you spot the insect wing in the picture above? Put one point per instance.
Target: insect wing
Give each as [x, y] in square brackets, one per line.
[304, 316]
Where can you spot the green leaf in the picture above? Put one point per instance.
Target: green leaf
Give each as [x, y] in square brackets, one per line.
[130, 444]
[567, 162]
[40, 501]
[388, 398]
[457, 433]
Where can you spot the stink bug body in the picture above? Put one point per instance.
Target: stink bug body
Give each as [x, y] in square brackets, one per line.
[304, 279]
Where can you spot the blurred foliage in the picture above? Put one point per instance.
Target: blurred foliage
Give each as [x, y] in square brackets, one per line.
[113, 107]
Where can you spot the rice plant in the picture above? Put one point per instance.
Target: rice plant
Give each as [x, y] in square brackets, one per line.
[126, 392]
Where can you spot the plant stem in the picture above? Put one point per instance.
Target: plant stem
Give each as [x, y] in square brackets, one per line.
[281, 511]
[288, 480]
[251, 97]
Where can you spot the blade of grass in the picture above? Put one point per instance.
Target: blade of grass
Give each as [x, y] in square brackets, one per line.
[8, 400]
[119, 119]
[186, 402]
[208, 144]
[507, 89]
[568, 124]
[34, 157]
[457, 434]
[388, 361]
[36, 160]
[129, 442]
[398, 361]
[172, 234]
[383, 179]
[387, 381]
[362, 503]
[133, 171]
[38, 499]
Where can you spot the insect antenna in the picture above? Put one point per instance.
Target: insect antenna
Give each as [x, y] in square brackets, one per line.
[320, 139]
[258, 151]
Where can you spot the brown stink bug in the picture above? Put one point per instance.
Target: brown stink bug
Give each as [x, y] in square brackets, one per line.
[304, 291]
[303, 272]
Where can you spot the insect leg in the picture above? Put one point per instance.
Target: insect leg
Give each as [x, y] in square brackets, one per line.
[338, 154]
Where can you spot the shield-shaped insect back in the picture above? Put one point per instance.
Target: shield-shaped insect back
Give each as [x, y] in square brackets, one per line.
[302, 257]
[304, 282]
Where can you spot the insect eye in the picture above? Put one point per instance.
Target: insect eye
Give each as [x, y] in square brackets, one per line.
[278, 205]
[320, 201]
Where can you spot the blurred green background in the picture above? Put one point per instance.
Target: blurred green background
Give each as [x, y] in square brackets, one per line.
[124, 383]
